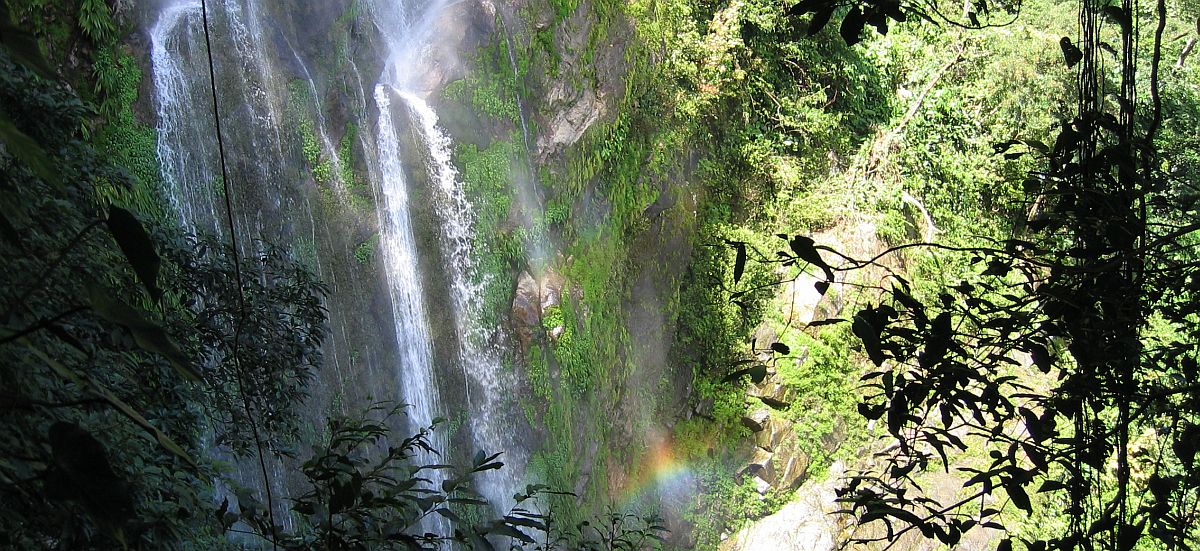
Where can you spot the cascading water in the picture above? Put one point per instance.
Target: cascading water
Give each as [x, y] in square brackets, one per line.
[185, 162]
[420, 389]
[407, 34]
[252, 95]
[186, 143]
[479, 360]
[187, 140]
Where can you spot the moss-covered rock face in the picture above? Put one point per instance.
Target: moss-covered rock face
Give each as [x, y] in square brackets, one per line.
[599, 174]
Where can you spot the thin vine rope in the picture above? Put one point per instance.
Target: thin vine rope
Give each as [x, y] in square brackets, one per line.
[237, 272]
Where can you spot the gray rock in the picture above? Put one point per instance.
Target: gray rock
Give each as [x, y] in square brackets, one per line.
[761, 466]
[789, 462]
[805, 524]
[757, 420]
[526, 311]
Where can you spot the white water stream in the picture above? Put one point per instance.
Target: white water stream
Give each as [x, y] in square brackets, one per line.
[250, 85]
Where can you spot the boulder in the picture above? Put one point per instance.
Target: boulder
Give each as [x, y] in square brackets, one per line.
[836, 436]
[550, 289]
[757, 420]
[789, 462]
[772, 392]
[704, 409]
[790, 466]
[574, 111]
[532, 301]
[806, 524]
[775, 432]
[761, 486]
[761, 466]
[526, 311]
[764, 337]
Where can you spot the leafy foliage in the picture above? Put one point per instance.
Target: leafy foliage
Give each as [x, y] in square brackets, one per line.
[259, 345]
[1066, 352]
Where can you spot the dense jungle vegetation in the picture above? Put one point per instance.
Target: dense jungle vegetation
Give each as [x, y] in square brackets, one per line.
[991, 205]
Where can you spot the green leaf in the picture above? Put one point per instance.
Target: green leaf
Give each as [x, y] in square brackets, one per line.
[148, 335]
[135, 243]
[22, 45]
[132, 414]
[28, 151]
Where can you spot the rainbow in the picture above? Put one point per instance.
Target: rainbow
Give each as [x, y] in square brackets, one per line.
[662, 468]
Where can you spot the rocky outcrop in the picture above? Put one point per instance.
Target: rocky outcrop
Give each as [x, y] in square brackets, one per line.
[574, 111]
[526, 309]
[532, 301]
[772, 392]
[777, 458]
[806, 524]
[757, 420]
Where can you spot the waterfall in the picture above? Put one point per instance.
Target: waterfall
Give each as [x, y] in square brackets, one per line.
[407, 35]
[252, 96]
[415, 371]
[185, 162]
[187, 140]
[479, 361]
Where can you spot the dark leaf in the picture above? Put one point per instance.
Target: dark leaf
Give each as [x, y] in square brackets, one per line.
[1071, 53]
[1041, 357]
[806, 6]
[830, 321]
[997, 268]
[28, 151]
[820, 19]
[739, 262]
[137, 246]
[806, 249]
[757, 373]
[897, 413]
[1017, 493]
[870, 412]
[852, 26]
[448, 514]
[503, 529]
[148, 335]
[869, 335]
[1119, 16]
[1052, 486]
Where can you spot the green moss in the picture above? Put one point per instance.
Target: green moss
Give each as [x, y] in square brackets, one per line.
[488, 92]
[364, 253]
[125, 140]
[486, 174]
[346, 150]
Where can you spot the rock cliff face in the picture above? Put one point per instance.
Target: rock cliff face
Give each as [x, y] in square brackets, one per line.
[532, 303]
[806, 524]
[522, 96]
